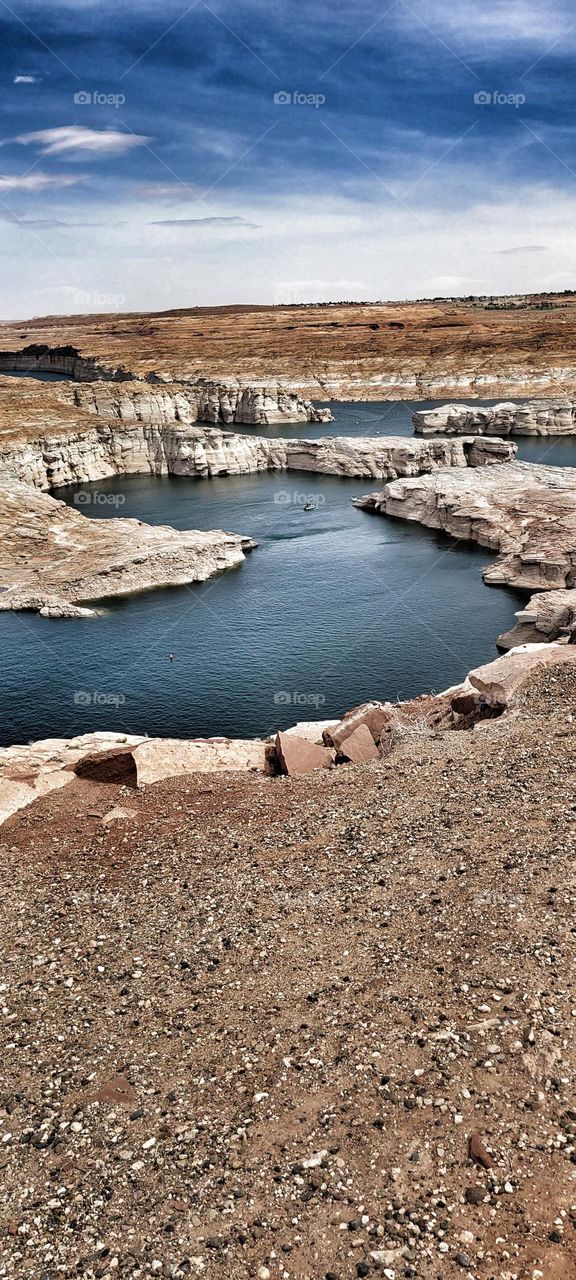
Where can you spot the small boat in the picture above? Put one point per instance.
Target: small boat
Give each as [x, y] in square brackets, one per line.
[309, 506]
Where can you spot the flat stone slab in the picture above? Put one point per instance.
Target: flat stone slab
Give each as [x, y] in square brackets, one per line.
[500, 681]
[359, 747]
[297, 755]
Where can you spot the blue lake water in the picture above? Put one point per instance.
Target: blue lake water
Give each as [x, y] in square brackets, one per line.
[334, 606]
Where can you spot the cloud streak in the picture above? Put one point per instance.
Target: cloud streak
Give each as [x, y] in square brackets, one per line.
[80, 139]
[38, 182]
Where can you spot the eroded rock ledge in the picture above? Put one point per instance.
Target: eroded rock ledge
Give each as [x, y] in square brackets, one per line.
[96, 450]
[525, 513]
[228, 403]
[114, 393]
[52, 558]
[540, 418]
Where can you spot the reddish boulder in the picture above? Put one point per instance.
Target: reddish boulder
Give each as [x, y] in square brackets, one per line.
[108, 766]
[296, 755]
[359, 746]
[375, 715]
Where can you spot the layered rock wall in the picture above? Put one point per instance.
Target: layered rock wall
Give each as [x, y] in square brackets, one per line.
[540, 418]
[525, 513]
[219, 403]
[94, 452]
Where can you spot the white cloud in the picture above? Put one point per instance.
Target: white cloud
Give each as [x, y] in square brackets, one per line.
[165, 190]
[37, 181]
[515, 21]
[73, 138]
[25, 80]
[295, 256]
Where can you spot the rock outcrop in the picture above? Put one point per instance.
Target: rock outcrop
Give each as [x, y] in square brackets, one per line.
[52, 558]
[28, 772]
[64, 360]
[227, 403]
[499, 683]
[548, 616]
[539, 418]
[525, 513]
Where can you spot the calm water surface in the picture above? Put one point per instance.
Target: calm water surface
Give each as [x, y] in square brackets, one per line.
[334, 606]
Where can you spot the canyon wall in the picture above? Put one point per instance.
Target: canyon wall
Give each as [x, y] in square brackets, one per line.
[64, 361]
[114, 393]
[525, 513]
[226, 403]
[444, 348]
[540, 418]
[94, 452]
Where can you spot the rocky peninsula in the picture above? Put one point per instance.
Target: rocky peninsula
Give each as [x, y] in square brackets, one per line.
[525, 513]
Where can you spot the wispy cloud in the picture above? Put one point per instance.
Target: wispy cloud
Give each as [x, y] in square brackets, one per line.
[78, 138]
[524, 248]
[7, 215]
[164, 191]
[37, 181]
[203, 222]
[26, 80]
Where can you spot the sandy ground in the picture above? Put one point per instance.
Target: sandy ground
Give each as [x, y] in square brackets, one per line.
[251, 1028]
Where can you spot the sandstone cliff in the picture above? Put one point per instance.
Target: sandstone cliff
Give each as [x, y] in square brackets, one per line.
[540, 418]
[525, 513]
[94, 450]
[52, 558]
[225, 402]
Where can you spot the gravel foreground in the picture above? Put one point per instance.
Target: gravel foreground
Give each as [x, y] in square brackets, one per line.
[299, 1028]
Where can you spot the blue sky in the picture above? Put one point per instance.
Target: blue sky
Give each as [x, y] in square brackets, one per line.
[168, 155]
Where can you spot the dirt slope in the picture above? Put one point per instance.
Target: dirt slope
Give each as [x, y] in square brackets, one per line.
[314, 993]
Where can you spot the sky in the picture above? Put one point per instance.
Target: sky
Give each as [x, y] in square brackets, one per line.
[283, 151]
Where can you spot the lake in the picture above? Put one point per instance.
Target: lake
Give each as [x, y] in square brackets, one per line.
[335, 606]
